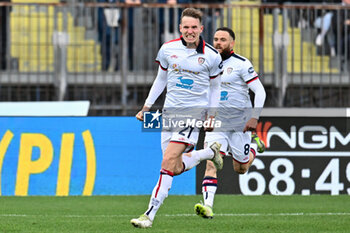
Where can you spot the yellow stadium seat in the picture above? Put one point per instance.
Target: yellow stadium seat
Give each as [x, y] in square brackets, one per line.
[31, 40]
[245, 23]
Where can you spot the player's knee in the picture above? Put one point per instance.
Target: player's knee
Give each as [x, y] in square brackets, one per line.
[240, 169]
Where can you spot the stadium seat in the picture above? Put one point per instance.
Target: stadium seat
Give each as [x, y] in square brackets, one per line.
[245, 23]
[32, 29]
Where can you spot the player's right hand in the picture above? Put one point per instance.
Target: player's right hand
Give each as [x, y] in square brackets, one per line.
[139, 116]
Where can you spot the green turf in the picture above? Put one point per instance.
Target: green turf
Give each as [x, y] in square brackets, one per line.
[317, 213]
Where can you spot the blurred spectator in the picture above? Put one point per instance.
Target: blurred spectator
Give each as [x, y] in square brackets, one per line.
[108, 21]
[344, 31]
[107, 34]
[173, 32]
[209, 19]
[131, 13]
[332, 24]
[325, 28]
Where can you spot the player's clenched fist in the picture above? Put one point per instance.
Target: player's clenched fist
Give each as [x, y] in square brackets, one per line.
[139, 115]
[250, 125]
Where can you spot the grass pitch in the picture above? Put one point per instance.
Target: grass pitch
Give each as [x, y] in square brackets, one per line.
[316, 213]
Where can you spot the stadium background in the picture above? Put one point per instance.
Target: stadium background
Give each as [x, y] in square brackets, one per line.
[54, 52]
[103, 52]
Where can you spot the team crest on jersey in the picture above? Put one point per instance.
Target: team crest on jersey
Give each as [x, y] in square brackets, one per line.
[174, 66]
[201, 60]
[229, 70]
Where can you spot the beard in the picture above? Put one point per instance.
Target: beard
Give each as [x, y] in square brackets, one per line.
[226, 53]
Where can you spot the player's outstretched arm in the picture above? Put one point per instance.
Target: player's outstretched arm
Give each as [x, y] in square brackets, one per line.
[157, 88]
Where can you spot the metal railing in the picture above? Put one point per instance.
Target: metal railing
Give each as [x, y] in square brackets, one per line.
[105, 52]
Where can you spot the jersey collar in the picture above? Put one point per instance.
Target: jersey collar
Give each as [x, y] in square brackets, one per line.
[225, 57]
[200, 47]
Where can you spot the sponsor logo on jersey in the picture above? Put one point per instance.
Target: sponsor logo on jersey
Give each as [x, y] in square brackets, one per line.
[185, 83]
[201, 60]
[178, 70]
[174, 56]
[224, 95]
[229, 70]
[190, 71]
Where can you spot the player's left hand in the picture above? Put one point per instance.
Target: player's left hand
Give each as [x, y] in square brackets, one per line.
[250, 125]
[211, 120]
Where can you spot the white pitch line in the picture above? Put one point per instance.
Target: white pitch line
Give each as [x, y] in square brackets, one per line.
[178, 215]
[13, 215]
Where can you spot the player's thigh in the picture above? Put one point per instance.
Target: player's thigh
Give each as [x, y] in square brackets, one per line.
[174, 151]
[239, 144]
[187, 136]
[165, 139]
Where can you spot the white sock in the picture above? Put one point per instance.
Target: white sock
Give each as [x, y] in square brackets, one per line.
[209, 187]
[160, 192]
[196, 157]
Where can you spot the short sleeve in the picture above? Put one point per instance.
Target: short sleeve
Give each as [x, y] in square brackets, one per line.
[216, 68]
[161, 59]
[248, 73]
